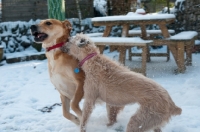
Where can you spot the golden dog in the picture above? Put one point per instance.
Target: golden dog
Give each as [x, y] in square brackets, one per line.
[53, 34]
[117, 85]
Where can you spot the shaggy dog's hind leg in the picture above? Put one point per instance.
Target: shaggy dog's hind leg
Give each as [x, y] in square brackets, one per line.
[157, 130]
[112, 112]
[144, 120]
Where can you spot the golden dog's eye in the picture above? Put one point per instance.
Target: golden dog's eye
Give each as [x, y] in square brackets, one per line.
[48, 23]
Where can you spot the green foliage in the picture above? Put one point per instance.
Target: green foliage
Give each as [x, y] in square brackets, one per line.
[56, 9]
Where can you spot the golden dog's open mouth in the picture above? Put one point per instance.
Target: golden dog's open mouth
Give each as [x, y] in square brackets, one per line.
[39, 37]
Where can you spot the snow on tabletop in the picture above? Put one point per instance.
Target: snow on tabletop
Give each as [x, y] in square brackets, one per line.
[185, 35]
[140, 11]
[1, 46]
[120, 39]
[149, 31]
[134, 16]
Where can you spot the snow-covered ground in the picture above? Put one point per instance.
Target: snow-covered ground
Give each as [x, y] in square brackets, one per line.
[25, 88]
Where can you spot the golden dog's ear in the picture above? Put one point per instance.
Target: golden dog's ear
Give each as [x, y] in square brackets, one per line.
[67, 25]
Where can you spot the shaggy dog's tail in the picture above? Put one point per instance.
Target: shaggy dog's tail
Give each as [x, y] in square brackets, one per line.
[176, 110]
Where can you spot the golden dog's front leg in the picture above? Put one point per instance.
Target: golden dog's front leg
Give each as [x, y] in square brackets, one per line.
[66, 107]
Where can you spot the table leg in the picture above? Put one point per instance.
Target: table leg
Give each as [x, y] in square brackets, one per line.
[122, 54]
[106, 34]
[180, 57]
[168, 53]
[143, 30]
[189, 53]
[164, 29]
[144, 59]
[107, 31]
[101, 48]
[122, 49]
[173, 49]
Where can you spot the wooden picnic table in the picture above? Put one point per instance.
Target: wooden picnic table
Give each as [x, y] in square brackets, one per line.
[134, 19]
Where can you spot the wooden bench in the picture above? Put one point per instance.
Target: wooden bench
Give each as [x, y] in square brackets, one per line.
[178, 45]
[151, 34]
[122, 43]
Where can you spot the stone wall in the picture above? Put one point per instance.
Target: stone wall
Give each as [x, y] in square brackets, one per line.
[192, 15]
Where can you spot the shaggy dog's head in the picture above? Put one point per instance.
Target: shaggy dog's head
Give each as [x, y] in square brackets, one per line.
[51, 31]
[80, 46]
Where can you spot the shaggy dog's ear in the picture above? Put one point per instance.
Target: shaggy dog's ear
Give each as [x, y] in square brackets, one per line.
[67, 25]
[83, 43]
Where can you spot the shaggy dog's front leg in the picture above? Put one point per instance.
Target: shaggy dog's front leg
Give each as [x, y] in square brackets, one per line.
[88, 105]
[87, 110]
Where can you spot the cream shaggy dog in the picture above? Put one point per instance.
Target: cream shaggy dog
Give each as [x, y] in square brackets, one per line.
[117, 85]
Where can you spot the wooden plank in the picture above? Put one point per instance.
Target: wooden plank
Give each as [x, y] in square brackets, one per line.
[180, 57]
[164, 29]
[144, 59]
[121, 22]
[143, 29]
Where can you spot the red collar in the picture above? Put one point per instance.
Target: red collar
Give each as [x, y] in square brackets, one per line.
[55, 46]
[86, 58]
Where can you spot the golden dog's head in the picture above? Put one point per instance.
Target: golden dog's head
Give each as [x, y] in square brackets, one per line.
[51, 31]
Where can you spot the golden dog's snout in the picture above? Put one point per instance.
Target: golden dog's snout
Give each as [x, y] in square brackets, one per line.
[33, 28]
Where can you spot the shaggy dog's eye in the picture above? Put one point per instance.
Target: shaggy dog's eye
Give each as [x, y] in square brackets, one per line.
[48, 23]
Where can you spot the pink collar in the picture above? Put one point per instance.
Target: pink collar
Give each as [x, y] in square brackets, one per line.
[86, 58]
[55, 46]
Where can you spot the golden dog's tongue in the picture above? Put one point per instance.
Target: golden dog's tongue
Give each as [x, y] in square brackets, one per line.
[39, 35]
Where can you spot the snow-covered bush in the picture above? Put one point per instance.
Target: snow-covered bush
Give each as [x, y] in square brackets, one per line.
[101, 6]
[16, 36]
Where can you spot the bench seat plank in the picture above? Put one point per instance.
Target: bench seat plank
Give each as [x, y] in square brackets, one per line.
[120, 41]
[94, 34]
[185, 35]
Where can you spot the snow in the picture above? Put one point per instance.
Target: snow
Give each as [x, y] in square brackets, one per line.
[140, 11]
[25, 88]
[101, 6]
[149, 31]
[27, 52]
[134, 16]
[184, 35]
[120, 40]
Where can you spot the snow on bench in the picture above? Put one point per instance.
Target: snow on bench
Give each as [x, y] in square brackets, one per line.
[185, 35]
[135, 32]
[120, 41]
[95, 34]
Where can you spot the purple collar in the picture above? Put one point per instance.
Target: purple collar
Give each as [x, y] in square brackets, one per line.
[77, 70]
[86, 58]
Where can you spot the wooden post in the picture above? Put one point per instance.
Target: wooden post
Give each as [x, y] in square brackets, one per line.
[56, 9]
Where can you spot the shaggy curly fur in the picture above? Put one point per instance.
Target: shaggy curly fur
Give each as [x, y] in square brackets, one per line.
[117, 85]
